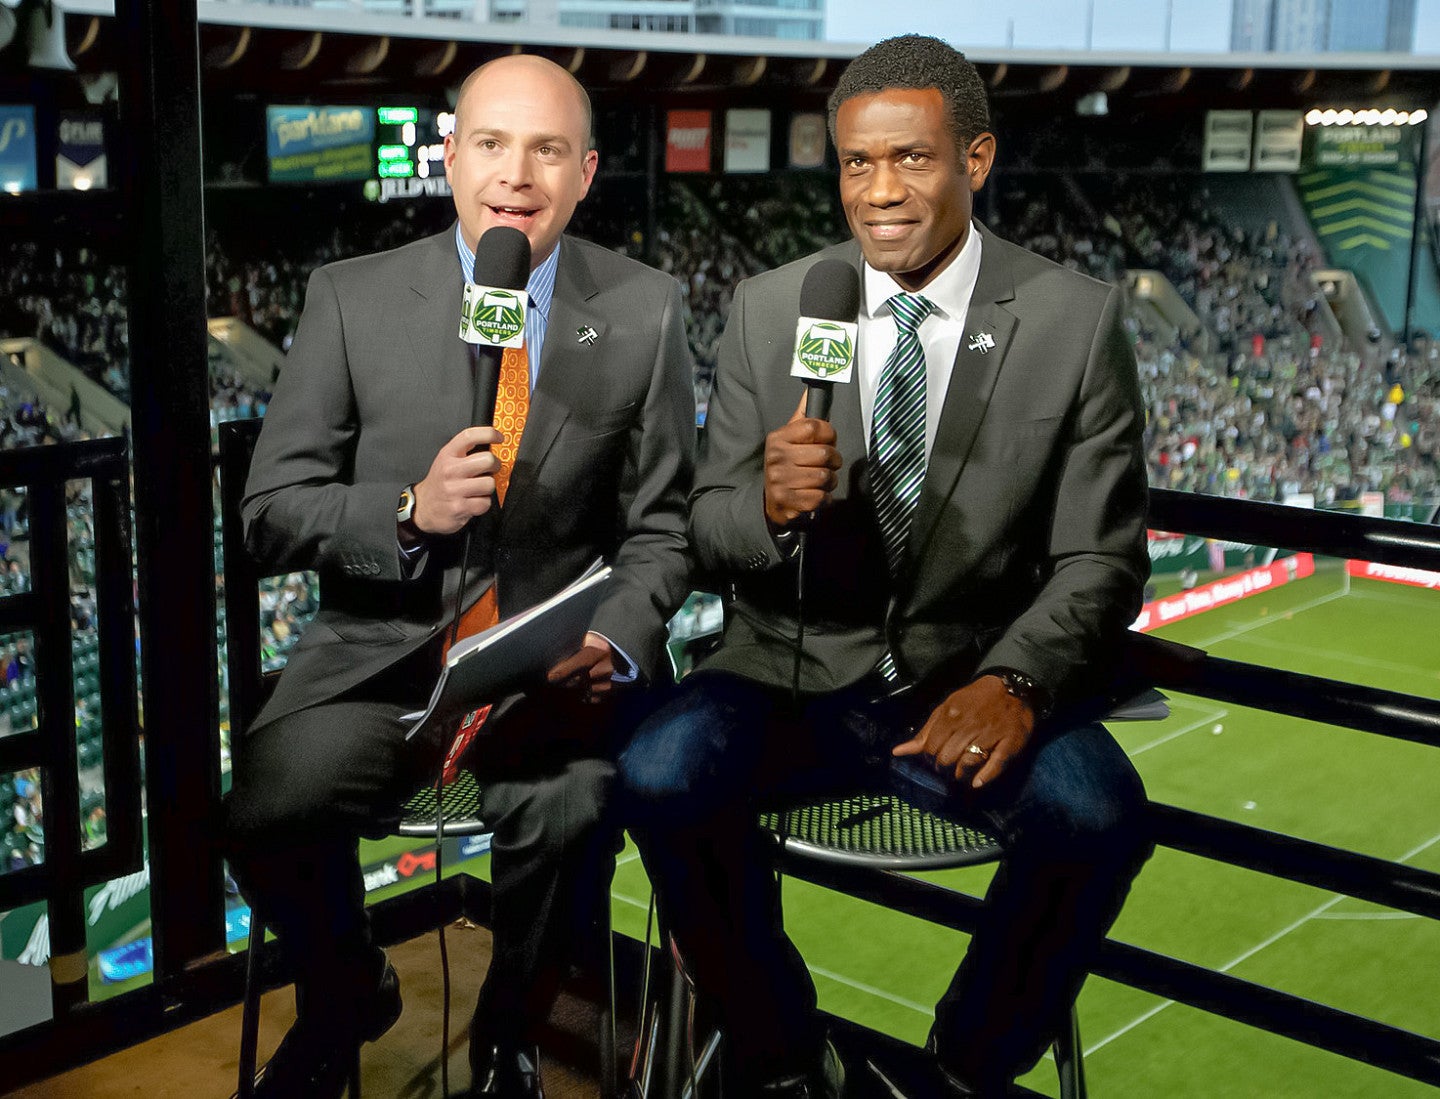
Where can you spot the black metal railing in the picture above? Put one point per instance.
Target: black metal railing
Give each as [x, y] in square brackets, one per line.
[1177, 667]
[67, 869]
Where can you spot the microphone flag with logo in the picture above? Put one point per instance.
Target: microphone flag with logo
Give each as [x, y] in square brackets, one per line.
[826, 331]
[493, 313]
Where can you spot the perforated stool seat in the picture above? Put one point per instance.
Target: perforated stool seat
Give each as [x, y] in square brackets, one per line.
[459, 803]
[880, 830]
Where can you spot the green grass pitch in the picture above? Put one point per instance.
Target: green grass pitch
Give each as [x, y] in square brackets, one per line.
[1330, 785]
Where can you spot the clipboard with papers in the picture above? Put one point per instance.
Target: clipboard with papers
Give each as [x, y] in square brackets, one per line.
[516, 653]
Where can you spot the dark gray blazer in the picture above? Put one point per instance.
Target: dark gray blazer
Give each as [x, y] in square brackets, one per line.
[377, 380]
[1028, 543]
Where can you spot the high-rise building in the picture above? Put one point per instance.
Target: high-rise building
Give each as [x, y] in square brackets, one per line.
[1252, 25]
[802, 19]
[1318, 26]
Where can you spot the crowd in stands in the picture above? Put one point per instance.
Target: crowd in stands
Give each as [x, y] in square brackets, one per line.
[22, 837]
[1257, 400]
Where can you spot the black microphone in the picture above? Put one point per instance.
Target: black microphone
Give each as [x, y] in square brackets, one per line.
[826, 333]
[493, 316]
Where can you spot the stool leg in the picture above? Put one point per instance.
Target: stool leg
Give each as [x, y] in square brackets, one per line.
[609, 1041]
[355, 1074]
[250, 1009]
[1070, 1059]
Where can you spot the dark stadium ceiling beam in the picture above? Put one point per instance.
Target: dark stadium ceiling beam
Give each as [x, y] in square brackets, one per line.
[625, 68]
[747, 71]
[796, 72]
[1112, 80]
[368, 56]
[1175, 81]
[226, 51]
[87, 34]
[692, 74]
[299, 51]
[436, 62]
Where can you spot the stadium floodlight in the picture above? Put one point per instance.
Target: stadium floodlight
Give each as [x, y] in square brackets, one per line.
[1365, 116]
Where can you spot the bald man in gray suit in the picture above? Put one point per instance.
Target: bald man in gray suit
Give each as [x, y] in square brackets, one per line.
[364, 471]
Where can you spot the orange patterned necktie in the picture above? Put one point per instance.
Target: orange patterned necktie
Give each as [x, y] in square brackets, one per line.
[512, 406]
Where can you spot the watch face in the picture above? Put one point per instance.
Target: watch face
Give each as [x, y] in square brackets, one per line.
[407, 505]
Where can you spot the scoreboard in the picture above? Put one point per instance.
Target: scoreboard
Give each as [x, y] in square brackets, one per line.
[397, 150]
[410, 142]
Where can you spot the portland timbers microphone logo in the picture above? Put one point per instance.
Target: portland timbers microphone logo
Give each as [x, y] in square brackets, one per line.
[825, 349]
[498, 316]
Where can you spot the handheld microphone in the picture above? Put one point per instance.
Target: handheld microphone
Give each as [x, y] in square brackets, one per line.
[826, 333]
[493, 315]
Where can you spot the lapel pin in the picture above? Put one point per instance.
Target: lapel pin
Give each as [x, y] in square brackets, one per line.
[586, 335]
[982, 342]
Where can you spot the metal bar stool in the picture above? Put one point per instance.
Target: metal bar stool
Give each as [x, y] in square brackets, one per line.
[872, 831]
[460, 803]
[883, 832]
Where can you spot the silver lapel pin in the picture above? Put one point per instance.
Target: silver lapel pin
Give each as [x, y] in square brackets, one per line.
[982, 342]
[586, 335]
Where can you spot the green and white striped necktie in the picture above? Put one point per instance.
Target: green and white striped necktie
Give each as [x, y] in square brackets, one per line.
[897, 436]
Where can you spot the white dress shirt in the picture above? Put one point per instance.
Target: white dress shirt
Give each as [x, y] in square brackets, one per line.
[940, 332]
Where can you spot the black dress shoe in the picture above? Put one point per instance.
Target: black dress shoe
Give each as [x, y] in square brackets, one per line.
[315, 1058]
[825, 1081]
[955, 1086]
[504, 1072]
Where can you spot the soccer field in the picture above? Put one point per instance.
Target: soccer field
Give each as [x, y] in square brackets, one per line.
[1334, 786]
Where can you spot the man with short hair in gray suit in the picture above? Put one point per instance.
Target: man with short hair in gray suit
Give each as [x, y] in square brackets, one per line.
[976, 553]
[366, 471]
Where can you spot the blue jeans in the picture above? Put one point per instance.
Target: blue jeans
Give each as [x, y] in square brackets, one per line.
[1071, 817]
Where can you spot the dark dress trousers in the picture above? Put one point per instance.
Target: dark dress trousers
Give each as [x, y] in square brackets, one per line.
[376, 382]
[1026, 551]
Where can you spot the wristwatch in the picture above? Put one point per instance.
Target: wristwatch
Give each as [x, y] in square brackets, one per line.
[1027, 689]
[405, 510]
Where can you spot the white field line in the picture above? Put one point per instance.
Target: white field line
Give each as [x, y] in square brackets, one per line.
[1377, 595]
[1369, 916]
[1315, 914]
[1209, 717]
[829, 975]
[1282, 616]
[1349, 658]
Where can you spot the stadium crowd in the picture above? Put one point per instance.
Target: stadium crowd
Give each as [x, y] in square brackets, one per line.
[1254, 402]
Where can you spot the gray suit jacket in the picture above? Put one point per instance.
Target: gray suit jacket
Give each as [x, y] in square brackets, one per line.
[1027, 548]
[377, 380]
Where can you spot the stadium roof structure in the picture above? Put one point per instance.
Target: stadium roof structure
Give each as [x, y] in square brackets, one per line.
[318, 52]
